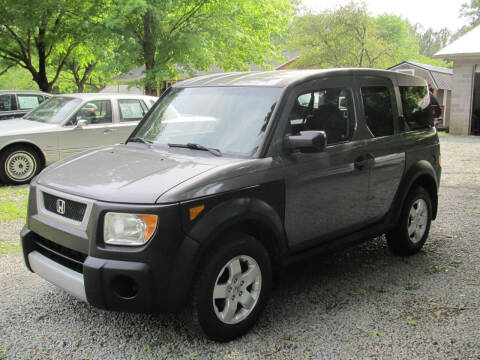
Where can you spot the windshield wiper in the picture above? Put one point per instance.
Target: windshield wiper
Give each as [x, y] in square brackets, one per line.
[193, 146]
[140, 140]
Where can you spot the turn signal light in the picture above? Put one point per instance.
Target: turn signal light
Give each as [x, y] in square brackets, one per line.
[195, 211]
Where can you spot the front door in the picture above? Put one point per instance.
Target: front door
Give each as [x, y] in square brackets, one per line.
[326, 192]
[99, 131]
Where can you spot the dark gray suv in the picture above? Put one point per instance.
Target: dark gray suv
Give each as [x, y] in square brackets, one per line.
[227, 179]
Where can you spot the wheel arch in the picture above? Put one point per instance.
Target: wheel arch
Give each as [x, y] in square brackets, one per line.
[252, 216]
[422, 174]
[27, 144]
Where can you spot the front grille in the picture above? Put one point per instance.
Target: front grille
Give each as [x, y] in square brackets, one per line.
[70, 209]
[65, 256]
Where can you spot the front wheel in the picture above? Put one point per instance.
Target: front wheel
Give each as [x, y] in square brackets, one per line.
[233, 287]
[19, 165]
[412, 231]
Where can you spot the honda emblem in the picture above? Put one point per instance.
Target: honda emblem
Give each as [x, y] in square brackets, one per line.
[61, 206]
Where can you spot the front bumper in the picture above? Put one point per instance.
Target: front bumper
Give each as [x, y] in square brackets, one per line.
[153, 278]
[57, 274]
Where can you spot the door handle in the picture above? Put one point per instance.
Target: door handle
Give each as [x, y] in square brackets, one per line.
[107, 131]
[364, 161]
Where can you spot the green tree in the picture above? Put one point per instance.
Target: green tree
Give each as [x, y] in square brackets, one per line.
[343, 37]
[431, 41]
[40, 36]
[180, 35]
[17, 78]
[94, 62]
[471, 11]
[349, 37]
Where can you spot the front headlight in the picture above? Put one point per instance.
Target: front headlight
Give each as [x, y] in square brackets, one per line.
[128, 229]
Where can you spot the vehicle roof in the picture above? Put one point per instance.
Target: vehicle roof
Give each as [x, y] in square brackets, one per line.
[87, 96]
[37, 92]
[277, 78]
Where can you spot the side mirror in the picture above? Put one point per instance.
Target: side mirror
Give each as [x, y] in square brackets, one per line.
[81, 124]
[308, 141]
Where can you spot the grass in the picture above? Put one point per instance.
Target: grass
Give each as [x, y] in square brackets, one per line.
[13, 203]
[13, 207]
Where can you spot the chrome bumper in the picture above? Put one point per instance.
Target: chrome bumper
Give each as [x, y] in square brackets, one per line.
[57, 274]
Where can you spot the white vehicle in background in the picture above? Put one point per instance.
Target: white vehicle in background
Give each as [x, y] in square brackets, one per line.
[65, 125]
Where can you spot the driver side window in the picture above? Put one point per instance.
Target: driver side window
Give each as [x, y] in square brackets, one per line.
[329, 110]
[94, 112]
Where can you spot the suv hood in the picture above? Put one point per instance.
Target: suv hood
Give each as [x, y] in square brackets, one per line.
[23, 126]
[125, 174]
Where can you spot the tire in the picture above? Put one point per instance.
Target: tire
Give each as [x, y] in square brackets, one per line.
[241, 292]
[414, 224]
[19, 164]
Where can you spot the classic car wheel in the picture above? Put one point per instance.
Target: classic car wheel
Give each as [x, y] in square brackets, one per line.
[19, 165]
[412, 230]
[233, 287]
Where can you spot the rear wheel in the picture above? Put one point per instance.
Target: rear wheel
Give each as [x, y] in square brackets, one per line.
[412, 231]
[19, 164]
[233, 287]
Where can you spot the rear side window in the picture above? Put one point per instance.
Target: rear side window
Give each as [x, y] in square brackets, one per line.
[5, 102]
[329, 110]
[131, 109]
[377, 103]
[417, 112]
[27, 102]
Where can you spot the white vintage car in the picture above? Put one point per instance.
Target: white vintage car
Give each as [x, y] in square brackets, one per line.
[65, 125]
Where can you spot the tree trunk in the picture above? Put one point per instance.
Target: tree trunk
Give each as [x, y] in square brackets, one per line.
[149, 48]
[41, 78]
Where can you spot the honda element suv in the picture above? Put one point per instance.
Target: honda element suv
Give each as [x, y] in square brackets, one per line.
[228, 178]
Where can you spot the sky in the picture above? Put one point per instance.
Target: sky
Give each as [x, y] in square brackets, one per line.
[434, 14]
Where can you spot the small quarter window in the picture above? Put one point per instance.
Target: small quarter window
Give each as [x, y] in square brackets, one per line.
[329, 110]
[417, 111]
[377, 103]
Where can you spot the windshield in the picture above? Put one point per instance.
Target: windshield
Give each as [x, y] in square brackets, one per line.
[229, 119]
[54, 111]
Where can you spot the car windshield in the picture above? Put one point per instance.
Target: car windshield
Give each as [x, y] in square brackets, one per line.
[229, 119]
[54, 111]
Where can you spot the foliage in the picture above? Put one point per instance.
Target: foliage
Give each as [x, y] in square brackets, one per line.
[349, 37]
[40, 36]
[93, 63]
[343, 37]
[471, 11]
[17, 78]
[431, 41]
[178, 36]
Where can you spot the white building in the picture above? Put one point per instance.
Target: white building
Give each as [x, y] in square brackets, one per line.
[465, 104]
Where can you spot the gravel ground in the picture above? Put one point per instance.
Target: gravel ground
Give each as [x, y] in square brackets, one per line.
[364, 303]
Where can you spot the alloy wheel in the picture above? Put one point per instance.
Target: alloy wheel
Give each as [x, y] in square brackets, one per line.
[237, 289]
[417, 220]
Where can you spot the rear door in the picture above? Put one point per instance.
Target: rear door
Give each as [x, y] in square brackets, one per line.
[378, 107]
[129, 113]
